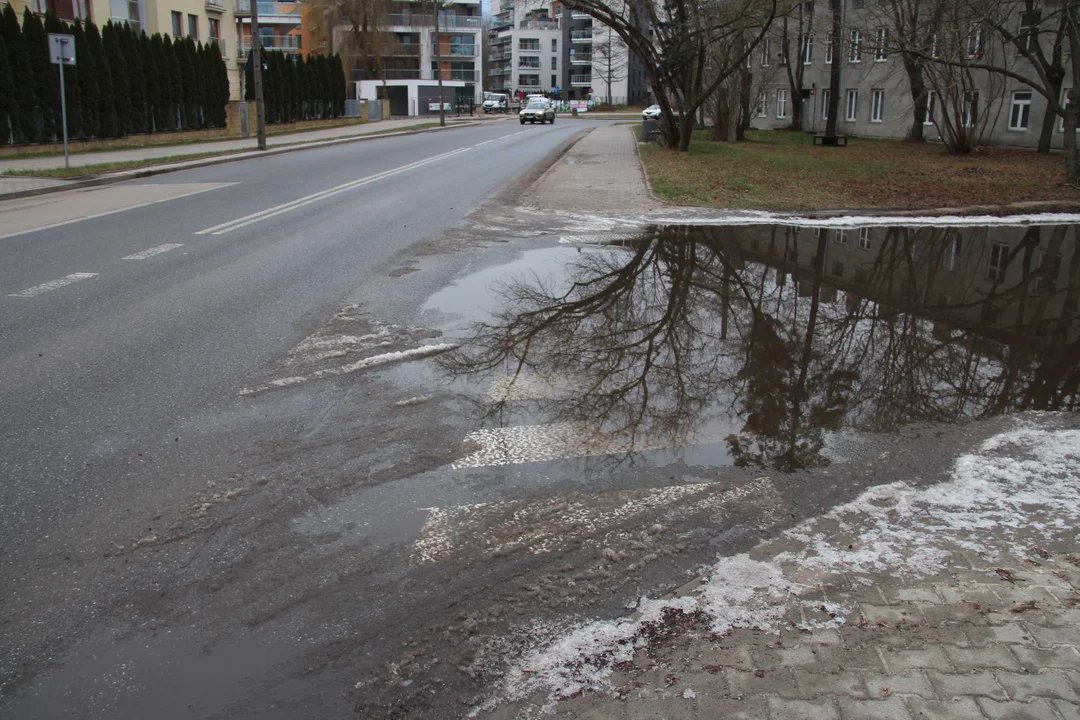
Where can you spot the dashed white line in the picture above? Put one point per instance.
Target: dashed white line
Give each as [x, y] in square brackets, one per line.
[52, 285]
[485, 142]
[153, 251]
[314, 197]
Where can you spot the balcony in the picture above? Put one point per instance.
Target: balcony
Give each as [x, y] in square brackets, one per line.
[501, 40]
[269, 11]
[501, 55]
[217, 6]
[530, 49]
[280, 43]
[581, 36]
[581, 59]
[411, 20]
[462, 51]
[460, 21]
[418, 74]
[581, 80]
[522, 66]
[220, 42]
[540, 25]
[523, 83]
[402, 50]
[578, 15]
[498, 71]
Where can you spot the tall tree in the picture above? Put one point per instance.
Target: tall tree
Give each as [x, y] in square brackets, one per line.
[610, 59]
[176, 83]
[22, 120]
[190, 93]
[89, 98]
[835, 38]
[7, 94]
[797, 46]
[162, 85]
[107, 123]
[46, 76]
[121, 80]
[129, 45]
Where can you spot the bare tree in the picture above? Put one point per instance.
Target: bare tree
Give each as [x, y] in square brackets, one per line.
[673, 40]
[796, 45]
[610, 59]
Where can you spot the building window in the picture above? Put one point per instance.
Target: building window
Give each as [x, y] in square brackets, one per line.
[840, 237]
[1020, 110]
[783, 55]
[931, 102]
[215, 28]
[193, 26]
[554, 45]
[852, 105]
[781, 104]
[554, 63]
[952, 254]
[528, 44]
[1029, 26]
[828, 50]
[999, 258]
[532, 63]
[877, 106]
[762, 104]
[824, 104]
[765, 48]
[974, 41]
[532, 81]
[854, 48]
[969, 112]
[808, 50]
[554, 81]
[125, 11]
[1066, 98]
[177, 24]
[881, 50]
[864, 238]
[935, 51]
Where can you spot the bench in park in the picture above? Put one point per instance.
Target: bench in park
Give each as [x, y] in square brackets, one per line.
[831, 141]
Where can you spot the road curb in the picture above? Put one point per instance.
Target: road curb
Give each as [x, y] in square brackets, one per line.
[123, 175]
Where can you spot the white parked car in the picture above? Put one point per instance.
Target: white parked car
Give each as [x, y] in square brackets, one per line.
[653, 111]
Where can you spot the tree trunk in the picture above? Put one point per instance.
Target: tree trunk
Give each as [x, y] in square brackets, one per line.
[1046, 133]
[834, 70]
[1072, 158]
[686, 129]
[919, 96]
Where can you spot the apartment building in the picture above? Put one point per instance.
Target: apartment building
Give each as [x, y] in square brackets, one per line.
[539, 50]
[875, 91]
[413, 57]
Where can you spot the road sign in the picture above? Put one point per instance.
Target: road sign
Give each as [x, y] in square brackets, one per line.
[61, 49]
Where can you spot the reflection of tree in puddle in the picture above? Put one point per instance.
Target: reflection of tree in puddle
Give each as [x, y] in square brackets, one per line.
[780, 334]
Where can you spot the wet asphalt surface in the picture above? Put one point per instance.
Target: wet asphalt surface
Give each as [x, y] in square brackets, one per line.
[317, 532]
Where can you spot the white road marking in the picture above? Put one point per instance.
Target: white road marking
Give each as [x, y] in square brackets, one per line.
[314, 197]
[52, 285]
[118, 210]
[153, 251]
[485, 142]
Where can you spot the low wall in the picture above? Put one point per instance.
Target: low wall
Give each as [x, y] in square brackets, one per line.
[184, 136]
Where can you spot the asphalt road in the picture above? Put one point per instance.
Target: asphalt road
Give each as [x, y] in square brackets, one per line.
[119, 394]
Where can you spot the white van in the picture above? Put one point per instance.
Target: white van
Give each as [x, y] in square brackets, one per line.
[496, 102]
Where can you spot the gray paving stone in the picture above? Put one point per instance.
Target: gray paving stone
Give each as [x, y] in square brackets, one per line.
[1047, 683]
[754, 708]
[1062, 617]
[1038, 709]
[675, 708]
[834, 659]
[930, 658]
[744, 684]
[736, 657]
[959, 709]
[890, 614]
[780, 709]
[823, 637]
[949, 685]
[910, 683]
[785, 657]
[1050, 636]
[991, 656]
[912, 595]
[1033, 659]
[892, 708]
[1009, 633]
[810, 684]
[1067, 710]
[981, 594]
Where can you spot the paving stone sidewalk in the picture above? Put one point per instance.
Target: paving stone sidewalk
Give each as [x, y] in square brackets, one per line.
[994, 633]
[600, 173]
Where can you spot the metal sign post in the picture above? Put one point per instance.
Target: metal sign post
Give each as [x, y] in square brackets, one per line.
[61, 53]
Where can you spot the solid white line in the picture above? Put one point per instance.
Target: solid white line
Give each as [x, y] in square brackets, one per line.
[307, 199]
[484, 143]
[153, 251]
[52, 285]
[217, 186]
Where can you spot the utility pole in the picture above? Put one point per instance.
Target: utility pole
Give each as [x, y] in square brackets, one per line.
[256, 60]
[438, 65]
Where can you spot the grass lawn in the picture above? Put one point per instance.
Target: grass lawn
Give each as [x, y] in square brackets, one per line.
[781, 170]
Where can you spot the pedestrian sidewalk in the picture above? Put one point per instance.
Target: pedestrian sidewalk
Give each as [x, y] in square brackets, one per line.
[221, 146]
[954, 601]
[600, 173]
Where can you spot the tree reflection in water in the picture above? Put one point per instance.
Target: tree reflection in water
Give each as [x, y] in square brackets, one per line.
[781, 334]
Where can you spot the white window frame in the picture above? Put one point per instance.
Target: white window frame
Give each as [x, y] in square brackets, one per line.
[781, 104]
[851, 105]
[829, 50]
[881, 51]
[808, 50]
[1066, 94]
[973, 43]
[864, 238]
[935, 49]
[763, 104]
[877, 105]
[996, 270]
[825, 104]
[1021, 106]
[840, 237]
[969, 109]
[931, 101]
[766, 48]
[1024, 32]
[855, 47]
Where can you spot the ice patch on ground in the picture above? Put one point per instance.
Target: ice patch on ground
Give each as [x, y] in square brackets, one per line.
[897, 529]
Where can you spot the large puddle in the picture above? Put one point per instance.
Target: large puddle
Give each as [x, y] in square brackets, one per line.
[763, 345]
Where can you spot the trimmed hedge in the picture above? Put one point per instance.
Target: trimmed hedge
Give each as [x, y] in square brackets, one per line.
[295, 88]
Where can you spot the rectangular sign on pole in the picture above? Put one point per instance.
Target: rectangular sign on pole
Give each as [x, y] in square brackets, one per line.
[61, 49]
